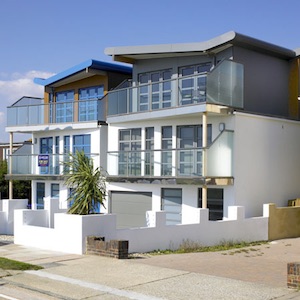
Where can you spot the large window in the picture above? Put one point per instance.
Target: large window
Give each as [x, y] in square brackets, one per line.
[88, 103]
[130, 151]
[64, 106]
[166, 156]
[192, 83]
[155, 90]
[214, 203]
[189, 143]
[82, 143]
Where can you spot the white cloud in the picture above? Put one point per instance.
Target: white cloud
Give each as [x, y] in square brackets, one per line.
[15, 86]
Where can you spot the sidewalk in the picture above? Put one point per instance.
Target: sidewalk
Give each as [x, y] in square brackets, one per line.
[258, 273]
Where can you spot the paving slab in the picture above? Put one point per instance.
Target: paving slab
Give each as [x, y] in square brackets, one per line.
[255, 273]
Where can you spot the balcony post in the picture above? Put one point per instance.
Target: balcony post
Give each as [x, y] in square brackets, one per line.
[204, 160]
[10, 184]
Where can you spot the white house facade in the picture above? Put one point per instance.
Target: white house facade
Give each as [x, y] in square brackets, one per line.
[202, 125]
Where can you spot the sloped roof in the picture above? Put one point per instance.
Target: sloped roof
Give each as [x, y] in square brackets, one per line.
[82, 70]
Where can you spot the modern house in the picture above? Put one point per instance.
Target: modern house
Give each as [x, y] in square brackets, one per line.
[210, 124]
[70, 117]
[203, 125]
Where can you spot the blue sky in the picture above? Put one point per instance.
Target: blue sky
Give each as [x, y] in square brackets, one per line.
[43, 37]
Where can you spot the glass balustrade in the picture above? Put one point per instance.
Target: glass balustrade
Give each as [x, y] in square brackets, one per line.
[52, 113]
[39, 164]
[175, 162]
[224, 85]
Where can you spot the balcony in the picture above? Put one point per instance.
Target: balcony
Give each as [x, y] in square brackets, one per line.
[185, 164]
[38, 165]
[222, 86]
[57, 112]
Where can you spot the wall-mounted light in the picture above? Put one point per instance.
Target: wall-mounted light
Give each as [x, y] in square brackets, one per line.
[221, 126]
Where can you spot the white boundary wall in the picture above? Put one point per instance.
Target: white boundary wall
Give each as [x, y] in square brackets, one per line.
[7, 214]
[70, 231]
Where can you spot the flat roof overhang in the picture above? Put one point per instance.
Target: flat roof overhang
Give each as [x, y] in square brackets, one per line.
[131, 53]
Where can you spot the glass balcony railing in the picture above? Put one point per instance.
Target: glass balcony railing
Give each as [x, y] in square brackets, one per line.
[60, 112]
[39, 164]
[222, 86]
[175, 162]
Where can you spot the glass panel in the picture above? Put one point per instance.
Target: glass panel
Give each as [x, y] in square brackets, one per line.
[220, 156]
[225, 84]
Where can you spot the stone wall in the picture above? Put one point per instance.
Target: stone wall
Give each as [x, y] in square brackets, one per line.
[114, 248]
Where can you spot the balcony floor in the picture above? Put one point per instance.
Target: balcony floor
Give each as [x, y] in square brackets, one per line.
[172, 180]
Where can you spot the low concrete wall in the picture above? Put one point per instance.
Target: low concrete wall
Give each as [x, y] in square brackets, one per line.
[70, 231]
[284, 222]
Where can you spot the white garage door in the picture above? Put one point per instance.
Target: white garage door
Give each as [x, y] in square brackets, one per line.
[130, 208]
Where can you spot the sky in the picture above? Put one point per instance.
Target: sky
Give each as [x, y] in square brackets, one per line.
[39, 38]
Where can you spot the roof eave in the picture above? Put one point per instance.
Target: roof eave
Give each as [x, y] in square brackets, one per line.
[89, 64]
[129, 54]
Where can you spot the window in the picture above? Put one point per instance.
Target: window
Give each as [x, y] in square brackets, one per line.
[214, 203]
[56, 151]
[82, 143]
[54, 190]
[189, 143]
[166, 143]
[46, 147]
[149, 154]
[40, 194]
[130, 151]
[64, 106]
[155, 90]
[192, 85]
[66, 144]
[172, 204]
[88, 104]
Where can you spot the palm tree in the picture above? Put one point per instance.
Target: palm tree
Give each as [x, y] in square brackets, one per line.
[88, 184]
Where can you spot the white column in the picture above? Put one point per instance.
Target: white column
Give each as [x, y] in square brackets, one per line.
[204, 158]
[10, 184]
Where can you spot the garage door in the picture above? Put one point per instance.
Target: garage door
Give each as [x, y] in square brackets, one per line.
[130, 208]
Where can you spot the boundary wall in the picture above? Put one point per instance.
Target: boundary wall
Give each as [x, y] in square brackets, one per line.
[69, 232]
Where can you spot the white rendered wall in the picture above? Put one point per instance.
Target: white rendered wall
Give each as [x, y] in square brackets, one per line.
[70, 231]
[266, 163]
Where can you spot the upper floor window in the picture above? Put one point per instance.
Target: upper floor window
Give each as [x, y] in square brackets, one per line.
[88, 104]
[95, 92]
[192, 85]
[64, 106]
[155, 90]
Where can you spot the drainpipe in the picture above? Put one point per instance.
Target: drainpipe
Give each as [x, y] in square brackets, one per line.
[10, 184]
[204, 160]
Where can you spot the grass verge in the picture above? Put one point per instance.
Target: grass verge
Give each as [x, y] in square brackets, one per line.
[9, 264]
[188, 246]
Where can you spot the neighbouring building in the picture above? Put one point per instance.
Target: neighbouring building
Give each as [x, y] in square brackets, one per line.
[70, 117]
